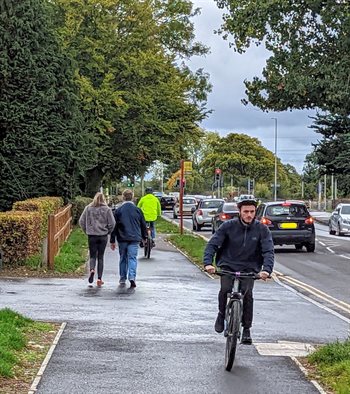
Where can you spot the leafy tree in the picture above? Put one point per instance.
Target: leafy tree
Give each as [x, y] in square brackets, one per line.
[42, 145]
[310, 46]
[138, 101]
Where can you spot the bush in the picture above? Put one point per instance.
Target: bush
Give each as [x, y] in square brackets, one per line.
[20, 238]
[78, 205]
[44, 205]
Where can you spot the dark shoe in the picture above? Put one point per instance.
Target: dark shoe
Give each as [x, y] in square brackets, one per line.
[132, 284]
[246, 338]
[220, 323]
[91, 277]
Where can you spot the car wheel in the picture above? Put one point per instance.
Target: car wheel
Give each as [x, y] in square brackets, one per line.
[212, 229]
[175, 216]
[339, 232]
[331, 231]
[299, 246]
[310, 247]
[198, 227]
[193, 225]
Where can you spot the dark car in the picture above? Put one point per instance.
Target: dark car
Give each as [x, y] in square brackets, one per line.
[167, 202]
[290, 223]
[226, 211]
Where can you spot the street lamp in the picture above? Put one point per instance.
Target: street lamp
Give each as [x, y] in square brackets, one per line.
[275, 183]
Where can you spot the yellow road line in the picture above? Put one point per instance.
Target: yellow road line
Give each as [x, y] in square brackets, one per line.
[318, 293]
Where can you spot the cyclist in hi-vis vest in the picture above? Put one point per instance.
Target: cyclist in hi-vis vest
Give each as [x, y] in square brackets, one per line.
[241, 245]
[151, 209]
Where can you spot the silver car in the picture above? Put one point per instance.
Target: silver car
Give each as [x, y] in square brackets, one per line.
[189, 203]
[204, 213]
[339, 222]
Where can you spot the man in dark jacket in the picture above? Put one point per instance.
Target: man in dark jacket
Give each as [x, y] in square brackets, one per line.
[130, 229]
[240, 245]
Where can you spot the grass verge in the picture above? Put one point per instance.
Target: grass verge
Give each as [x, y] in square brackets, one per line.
[23, 346]
[331, 365]
[165, 227]
[191, 245]
[73, 253]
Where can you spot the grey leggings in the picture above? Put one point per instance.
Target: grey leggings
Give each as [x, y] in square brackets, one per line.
[97, 246]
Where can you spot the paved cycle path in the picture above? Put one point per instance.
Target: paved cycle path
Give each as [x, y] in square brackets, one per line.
[160, 338]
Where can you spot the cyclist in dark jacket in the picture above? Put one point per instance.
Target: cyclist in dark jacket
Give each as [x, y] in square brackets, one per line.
[130, 229]
[241, 245]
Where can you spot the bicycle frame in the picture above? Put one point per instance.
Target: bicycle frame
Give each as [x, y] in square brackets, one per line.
[148, 244]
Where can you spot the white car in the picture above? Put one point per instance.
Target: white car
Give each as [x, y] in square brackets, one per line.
[188, 204]
[339, 222]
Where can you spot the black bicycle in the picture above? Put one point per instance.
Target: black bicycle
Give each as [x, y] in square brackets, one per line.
[233, 314]
[148, 244]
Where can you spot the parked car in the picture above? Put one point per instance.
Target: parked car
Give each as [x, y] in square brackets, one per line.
[226, 211]
[290, 223]
[202, 216]
[167, 202]
[339, 222]
[189, 203]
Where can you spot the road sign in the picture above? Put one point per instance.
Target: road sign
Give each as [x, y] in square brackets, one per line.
[187, 167]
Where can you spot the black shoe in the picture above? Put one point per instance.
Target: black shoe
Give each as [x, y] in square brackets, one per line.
[246, 338]
[91, 277]
[132, 284]
[220, 323]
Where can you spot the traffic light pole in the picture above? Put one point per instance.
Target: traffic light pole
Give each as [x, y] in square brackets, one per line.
[181, 196]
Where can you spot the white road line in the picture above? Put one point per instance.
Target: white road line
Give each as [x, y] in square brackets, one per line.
[332, 251]
[321, 243]
[345, 257]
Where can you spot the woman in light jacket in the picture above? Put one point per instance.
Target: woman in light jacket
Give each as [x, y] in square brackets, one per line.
[97, 221]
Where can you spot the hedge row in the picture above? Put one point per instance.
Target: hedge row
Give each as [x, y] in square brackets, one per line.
[78, 205]
[24, 228]
[19, 235]
[44, 205]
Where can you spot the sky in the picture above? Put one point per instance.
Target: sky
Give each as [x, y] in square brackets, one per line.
[228, 70]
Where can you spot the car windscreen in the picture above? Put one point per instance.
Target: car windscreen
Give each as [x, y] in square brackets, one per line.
[345, 210]
[210, 204]
[189, 201]
[287, 210]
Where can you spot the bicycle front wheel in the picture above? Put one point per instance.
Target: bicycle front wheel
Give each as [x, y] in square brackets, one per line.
[148, 247]
[232, 334]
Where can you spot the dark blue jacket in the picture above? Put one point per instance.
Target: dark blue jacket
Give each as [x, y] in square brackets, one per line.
[241, 247]
[130, 225]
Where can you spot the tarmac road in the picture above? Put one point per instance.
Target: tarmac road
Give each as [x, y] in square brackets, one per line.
[160, 338]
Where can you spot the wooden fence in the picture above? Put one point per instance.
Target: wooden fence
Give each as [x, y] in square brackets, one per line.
[60, 226]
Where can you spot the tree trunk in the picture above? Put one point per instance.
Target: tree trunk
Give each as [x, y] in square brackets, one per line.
[93, 181]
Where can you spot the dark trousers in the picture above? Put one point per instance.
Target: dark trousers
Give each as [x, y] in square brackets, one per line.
[247, 291]
[97, 246]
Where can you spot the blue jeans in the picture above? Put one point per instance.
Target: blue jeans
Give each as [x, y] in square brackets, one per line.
[128, 259]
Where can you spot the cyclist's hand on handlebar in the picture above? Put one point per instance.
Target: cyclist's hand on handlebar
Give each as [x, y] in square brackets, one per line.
[210, 269]
[264, 275]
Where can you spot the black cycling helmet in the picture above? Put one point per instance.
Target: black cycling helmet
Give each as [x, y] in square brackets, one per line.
[148, 190]
[250, 201]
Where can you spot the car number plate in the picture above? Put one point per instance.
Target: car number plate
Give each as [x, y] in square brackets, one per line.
[288, 225]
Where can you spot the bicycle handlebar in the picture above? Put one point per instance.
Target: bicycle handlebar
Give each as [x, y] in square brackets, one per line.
[252, 275]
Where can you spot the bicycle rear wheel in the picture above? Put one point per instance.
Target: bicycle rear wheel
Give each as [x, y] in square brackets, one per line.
[232, 334]
[148, 247]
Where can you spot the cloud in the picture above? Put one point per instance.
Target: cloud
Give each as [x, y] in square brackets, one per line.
[228, 70]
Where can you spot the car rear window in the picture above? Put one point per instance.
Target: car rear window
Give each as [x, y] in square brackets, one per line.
[230, 207]
[189, 201]
[345, 210]
[287, 210]
[210, 204]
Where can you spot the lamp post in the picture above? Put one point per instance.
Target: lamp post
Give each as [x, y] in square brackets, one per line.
[275, 183]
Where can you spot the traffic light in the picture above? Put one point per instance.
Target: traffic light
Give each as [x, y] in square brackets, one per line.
[217, 174]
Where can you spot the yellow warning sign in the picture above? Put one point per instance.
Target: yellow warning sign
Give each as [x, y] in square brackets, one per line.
[187, 166]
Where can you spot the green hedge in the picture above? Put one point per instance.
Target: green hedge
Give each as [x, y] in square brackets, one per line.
[20, 237]
[44, 206]
[78, 205]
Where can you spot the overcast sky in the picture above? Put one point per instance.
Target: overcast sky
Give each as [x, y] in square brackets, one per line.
[228, 70]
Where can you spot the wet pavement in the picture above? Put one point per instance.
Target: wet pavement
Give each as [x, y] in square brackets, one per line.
[160, 338]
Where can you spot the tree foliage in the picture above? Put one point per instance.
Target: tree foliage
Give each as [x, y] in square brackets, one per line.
[42, 145]
[310, 46]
